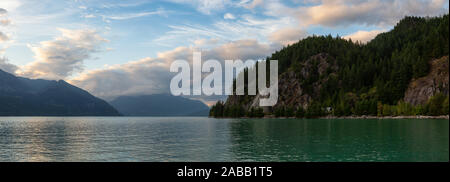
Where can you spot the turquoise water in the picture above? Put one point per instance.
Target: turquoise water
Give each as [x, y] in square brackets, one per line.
[208, 139]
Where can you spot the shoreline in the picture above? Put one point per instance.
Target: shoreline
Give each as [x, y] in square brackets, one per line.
[344, 117]
[387, 117]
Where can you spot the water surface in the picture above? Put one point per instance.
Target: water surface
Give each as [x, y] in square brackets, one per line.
[208, 139]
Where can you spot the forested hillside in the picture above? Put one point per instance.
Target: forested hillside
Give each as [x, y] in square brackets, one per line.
[325, 75]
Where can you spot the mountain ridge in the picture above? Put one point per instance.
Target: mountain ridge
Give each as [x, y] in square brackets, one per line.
[159, 105]
[38, 97]
[322, 76]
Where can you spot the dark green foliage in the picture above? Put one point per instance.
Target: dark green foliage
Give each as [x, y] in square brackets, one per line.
[255, 112]
[314, 110]
[300, 113]
[445, 106]
[289, 112]
[217, 110]
[436, 105]
[369, 76]
[284, 111]
[279, 112]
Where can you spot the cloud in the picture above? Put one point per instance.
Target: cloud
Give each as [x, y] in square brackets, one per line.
[90, 16]
[3, 37]
[6, 66]
[364, 36]
[152, 76]
[376, 12]
[240, 49]
[5, 22]
[247, 27]
[229, 16]
[252, 4]
[202, 43]
[3, 12]
[63, 56]
[287, 36]
[206, 6]
[147, 75]
[135, 15]
[9, 5]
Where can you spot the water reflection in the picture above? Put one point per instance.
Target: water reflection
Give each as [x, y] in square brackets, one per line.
[207, 139]
[340, 140]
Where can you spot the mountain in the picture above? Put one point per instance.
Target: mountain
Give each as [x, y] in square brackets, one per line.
[37, 97]
[159, 105]
[400, 72]
[437, 81]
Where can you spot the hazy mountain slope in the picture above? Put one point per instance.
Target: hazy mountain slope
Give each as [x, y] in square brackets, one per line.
[29, 97]
[159, 105]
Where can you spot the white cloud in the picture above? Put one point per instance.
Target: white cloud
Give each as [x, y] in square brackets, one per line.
[287, 36]
[138, 77]
[3, 12]
[240, 49]
[135, 15]
[5, 22]
[229, 16]
[252, 4]
[6, 66]
[3, 37]
[151, 75]
[247, 27]
[376, 12]
[90, 16]
[63, 56]
[205, 43]
[364, 36]
[206, 6]
[9, 5]
[334, 13]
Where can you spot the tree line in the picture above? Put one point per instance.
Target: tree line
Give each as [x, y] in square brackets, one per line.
[372, 78]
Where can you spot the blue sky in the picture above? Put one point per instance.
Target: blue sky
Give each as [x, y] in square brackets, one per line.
[99, 44]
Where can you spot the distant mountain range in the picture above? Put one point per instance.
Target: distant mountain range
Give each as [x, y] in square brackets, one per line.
[159, 105]
[37, 97]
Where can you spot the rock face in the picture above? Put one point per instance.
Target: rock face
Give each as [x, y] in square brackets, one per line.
[296, 88]
[29, 97]
[437, 81]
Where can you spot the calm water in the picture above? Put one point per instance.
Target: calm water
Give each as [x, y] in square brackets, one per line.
[207, 139]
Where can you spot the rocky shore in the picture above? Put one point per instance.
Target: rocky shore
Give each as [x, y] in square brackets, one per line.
[362, 117]
[387, 117]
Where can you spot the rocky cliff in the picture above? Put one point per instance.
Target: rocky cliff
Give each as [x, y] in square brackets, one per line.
[437, 81]
[296, 88]
[399, 72]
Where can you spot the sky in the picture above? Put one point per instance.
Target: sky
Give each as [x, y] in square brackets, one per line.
[123, 47]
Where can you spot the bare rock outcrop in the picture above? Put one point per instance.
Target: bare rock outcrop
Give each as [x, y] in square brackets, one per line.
[437, 81]
[292, 84]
